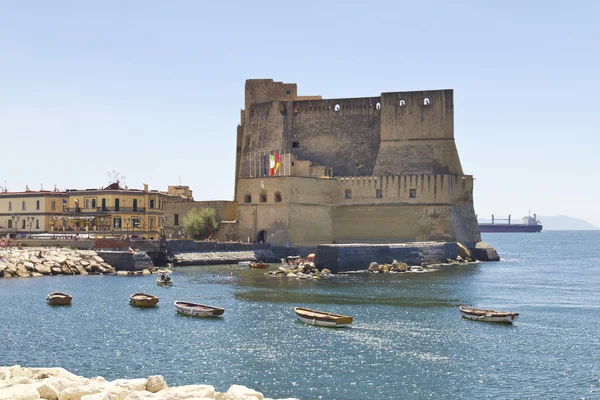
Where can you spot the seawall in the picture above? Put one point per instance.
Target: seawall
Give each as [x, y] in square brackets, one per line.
[353, 257]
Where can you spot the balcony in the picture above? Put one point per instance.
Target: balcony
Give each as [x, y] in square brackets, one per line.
[98, 210]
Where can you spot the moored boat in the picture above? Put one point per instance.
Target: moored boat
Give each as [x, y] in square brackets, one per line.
[322, 318]
[245, 263]
[258, 264]
[198, 310]
[478, 314]
[59, 299]
[160, 281]
[143, 300]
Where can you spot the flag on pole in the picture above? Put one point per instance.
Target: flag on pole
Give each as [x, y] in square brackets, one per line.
[76, 203]
[271, 165]
[277, 162]
[64, 202]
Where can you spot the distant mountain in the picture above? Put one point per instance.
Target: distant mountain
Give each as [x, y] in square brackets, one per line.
[555, 223]
[565, 223]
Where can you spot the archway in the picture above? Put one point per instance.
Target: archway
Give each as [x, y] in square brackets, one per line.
[261, 237]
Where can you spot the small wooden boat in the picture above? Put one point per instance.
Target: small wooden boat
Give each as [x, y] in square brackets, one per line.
[164, 282]
[143, 300]
[59, 299]
[197, 310]
[259, 264]
[322, 318]
[478, 314]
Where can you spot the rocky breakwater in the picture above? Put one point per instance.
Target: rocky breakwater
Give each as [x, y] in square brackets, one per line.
[17, 383]
[58, 261]
[300, 271]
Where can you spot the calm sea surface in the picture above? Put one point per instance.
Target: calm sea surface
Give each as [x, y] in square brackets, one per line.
[407, 340]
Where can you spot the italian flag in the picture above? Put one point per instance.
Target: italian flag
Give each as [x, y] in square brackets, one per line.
[271, 165]
[277, 163]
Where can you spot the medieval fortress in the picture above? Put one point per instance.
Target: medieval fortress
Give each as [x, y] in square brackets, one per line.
[379, 169]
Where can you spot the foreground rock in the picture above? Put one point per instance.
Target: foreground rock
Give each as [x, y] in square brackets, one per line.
[300, 271]
[17, 383]
[51, 261]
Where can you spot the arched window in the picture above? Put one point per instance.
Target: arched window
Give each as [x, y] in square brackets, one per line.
[336, 108]
[277, 197]
[263, 197]
[402, 103]
[378, 106]
[426, 101]
[247, 198]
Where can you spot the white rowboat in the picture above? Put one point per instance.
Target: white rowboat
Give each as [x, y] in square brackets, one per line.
[198, 310]
[322, 318]
[478, 314]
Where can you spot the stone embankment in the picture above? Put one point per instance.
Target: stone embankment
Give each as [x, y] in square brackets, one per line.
[300, 271]
[53, 261]
[17, 383]
[220, 257]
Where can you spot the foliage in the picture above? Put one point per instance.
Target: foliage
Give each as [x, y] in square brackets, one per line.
[198, 223]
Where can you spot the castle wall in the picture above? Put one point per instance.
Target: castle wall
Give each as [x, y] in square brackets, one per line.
[417, 138]
[266, 90]
[347, 140]
[392, 223]
[262, 133]
[226, 210]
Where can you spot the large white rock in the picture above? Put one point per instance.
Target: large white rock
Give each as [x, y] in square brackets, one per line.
[98, 259]
[156, 383]
[188, 392]
[50, 388]
[5, 373]
[131, 384]
[42, 269]
[239, 392]
[20, 392]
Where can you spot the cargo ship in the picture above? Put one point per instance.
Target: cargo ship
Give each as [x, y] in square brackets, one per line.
[530, 224]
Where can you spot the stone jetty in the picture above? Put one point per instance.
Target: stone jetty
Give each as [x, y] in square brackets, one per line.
[51, 261]
[17, 383]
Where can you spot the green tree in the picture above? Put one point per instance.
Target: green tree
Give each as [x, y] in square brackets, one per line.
[200, 223]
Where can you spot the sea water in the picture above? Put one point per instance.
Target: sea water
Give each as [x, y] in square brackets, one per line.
[407, 339]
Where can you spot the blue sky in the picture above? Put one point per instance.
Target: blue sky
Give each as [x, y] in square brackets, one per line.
[153, 89]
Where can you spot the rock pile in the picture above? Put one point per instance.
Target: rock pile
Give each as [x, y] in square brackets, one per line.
[17, 383]
[300, 271]
[395, 266]
[53, 261]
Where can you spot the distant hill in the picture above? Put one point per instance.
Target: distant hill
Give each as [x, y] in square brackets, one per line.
[556, 223]
[565, 223]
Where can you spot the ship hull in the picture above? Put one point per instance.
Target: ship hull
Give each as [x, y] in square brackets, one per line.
[509, 228]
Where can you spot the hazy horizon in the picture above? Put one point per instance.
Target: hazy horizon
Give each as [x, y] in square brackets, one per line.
[154, 90]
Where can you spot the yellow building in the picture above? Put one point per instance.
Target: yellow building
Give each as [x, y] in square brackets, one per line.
[115, 210]
[30, 211]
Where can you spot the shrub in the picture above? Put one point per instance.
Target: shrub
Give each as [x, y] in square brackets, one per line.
[200, 223]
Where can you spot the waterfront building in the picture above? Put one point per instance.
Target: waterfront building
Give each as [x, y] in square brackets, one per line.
[115, 209]
[29, 211]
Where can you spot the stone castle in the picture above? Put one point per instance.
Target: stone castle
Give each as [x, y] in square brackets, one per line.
[381, 169]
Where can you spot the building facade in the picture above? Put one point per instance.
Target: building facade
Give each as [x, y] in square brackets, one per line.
[30, 211]
[378, 169]
[112, 210]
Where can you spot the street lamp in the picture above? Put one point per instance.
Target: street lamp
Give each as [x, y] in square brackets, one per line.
[127, 222]
[15, 218]
[30, 222]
